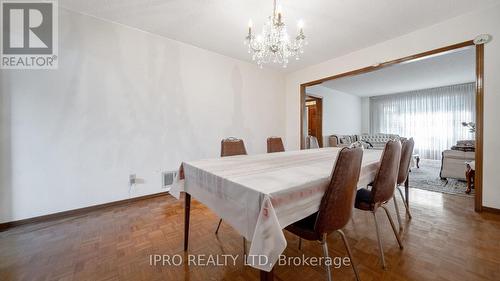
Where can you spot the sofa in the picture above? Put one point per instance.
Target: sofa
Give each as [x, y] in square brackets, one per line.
[454, 159]
[341, 140]
[375, 141]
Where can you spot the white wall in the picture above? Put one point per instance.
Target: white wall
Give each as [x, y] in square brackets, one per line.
[122, 101]
[453, 31]
[341, 111]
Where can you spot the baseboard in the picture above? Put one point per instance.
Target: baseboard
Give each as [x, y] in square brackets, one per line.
[7, 225]
[491, 210]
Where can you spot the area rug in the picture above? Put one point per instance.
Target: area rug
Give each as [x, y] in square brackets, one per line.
[427, 177]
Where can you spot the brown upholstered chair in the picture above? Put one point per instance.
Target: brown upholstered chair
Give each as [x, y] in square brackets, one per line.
[232, 147]
[382, 190]
[275, 144]
[404, 175]
[312, 142]
[336, 206]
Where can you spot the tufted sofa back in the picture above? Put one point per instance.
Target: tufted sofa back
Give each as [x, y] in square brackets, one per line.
[378, 140]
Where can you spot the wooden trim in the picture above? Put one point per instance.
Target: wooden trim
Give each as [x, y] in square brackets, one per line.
[302, 119]
[490, 210]
[319, 120]
[81, 211]
[478, 177]
[479, 101]
[393, 62]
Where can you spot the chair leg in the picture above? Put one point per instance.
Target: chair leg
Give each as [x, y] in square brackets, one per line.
[244, 246]
[325, 254]
[381, 250]
[300, 243]
[393, 226]
[397, 212]
[244, 240]
[405, 202]
[218, 226]
[407, 193]
[346, 244]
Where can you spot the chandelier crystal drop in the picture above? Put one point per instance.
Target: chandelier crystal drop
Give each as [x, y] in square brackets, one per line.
[273, 45]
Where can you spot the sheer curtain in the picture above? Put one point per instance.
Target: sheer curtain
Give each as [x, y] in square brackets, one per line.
[432, 117]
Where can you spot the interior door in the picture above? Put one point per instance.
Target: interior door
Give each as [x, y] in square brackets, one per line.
[314, 109]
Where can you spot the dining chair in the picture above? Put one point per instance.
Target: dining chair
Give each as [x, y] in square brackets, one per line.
[275, 144]
[312, 142]
[336, 205]
[404, 174]
[382, 190]
[231, 147]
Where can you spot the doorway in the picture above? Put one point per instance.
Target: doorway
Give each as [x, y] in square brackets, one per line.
[314, 113]
[479, 94]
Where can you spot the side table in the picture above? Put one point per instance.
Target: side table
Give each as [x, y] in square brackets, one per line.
[470, 172]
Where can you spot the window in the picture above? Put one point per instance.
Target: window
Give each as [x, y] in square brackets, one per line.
[433, 117]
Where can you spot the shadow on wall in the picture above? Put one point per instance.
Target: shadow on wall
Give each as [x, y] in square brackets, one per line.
[237, 127]
[6, 194]
[173, 94]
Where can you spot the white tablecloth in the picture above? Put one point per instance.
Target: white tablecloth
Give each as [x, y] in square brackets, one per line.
[259, 195]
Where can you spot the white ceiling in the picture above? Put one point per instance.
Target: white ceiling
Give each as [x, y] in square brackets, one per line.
[442, 70]
[333, 27]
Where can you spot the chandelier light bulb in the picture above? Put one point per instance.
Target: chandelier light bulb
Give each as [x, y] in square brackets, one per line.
[250, 25]
[300, 24]
[279, 11]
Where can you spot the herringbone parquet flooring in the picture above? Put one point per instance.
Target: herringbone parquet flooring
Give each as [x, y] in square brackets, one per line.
[445, 240]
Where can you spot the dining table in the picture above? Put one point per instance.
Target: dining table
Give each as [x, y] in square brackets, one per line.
[259, 195]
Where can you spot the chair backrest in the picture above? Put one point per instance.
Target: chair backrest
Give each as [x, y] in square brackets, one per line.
[312, 142]
[337, 203]
[232, 146]
[404, 164]
[387, 174]
[333, 141]
[275, 144]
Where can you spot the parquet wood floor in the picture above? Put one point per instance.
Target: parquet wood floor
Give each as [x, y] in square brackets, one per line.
[445, 240]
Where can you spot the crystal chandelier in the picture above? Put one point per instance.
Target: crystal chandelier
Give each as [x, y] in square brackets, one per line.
[274, 44]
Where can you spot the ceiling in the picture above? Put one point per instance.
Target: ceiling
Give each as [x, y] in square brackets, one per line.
[441, 70]
[333, 27]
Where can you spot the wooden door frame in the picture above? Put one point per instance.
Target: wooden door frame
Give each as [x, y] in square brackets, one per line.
[478, 179]
[319, 114]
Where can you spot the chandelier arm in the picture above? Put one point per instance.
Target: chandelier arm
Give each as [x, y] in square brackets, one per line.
[256, 50]
[253, 48]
